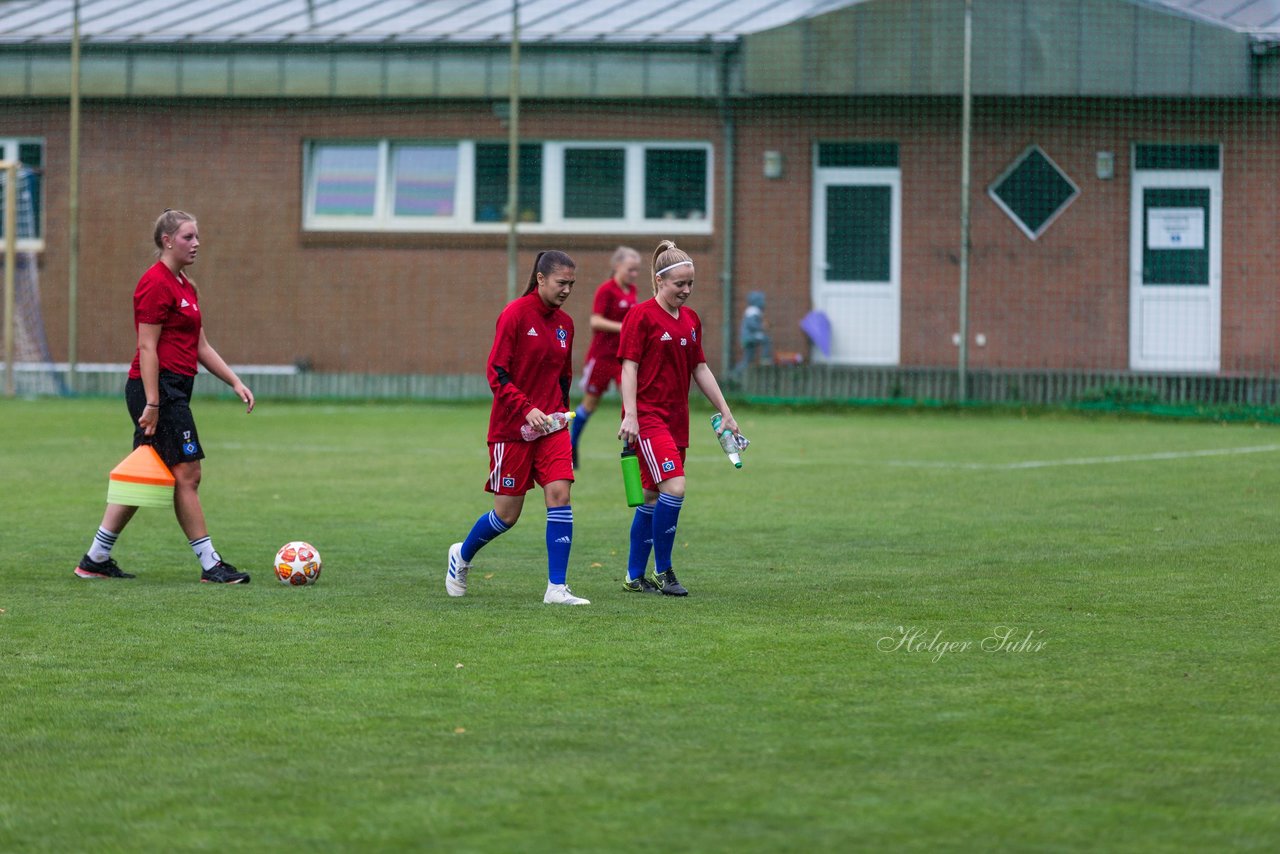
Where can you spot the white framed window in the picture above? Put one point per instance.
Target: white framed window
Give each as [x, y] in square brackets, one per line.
[564, 186]
[30, 153]
[491, 182]
[381, 185]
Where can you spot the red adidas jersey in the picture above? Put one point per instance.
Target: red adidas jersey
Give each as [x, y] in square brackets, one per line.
[531, 358]
[612, 303]
[168, 299]
[666, 350]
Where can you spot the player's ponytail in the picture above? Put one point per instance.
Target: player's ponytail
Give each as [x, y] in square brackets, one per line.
[547, 262]
[666, 256]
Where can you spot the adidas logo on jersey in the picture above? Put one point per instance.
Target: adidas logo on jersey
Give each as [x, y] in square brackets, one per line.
[184, 303]
[666, 336]
[532, 332]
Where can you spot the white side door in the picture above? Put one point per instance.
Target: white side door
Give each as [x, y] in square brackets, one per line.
[1175, 280]
[857, 262]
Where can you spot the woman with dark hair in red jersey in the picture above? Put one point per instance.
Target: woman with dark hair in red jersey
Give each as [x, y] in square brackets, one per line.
[529, 370]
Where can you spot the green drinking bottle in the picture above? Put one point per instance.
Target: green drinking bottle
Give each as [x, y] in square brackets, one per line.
[631, 477]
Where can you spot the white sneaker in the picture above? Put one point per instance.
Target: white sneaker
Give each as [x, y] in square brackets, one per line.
[560, 594]
[455, 580]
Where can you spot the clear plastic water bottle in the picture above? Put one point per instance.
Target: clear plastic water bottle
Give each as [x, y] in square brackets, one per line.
[559, 421]
[732, 443]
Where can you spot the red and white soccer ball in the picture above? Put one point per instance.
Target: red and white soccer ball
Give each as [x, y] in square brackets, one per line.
[297, 564]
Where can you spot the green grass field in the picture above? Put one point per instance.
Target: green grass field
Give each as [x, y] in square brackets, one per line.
[773, 709]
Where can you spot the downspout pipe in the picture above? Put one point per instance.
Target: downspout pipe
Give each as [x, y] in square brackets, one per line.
[966, 130]
[729, 155]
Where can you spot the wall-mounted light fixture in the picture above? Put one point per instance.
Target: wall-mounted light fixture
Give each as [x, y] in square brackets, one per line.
[773, 164]
[1105, 165]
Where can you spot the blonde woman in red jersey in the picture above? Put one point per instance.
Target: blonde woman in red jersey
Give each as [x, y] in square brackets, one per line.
[614, 298]
[171, 344]
[529, 370]
[661, 351]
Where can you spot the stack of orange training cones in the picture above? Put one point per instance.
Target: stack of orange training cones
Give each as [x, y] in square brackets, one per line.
[141, 480]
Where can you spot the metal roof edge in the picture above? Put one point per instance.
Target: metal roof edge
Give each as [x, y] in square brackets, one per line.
[1191, 14]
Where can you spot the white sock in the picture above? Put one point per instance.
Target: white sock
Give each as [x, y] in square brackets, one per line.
[100, 548]
[204, 550]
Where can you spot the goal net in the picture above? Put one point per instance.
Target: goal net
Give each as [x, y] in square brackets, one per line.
[34, 369]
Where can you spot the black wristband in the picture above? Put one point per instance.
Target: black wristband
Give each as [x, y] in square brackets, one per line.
[153, 405]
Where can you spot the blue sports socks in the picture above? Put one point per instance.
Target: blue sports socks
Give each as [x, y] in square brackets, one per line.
[100, 548]
[485, 529]
[666, 515]
[559, 541]
[641, 541]
[579, 421]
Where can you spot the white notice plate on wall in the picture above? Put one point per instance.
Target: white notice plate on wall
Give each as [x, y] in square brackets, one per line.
[1175, 228]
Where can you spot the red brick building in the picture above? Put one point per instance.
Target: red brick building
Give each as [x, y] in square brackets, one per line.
[349, 174]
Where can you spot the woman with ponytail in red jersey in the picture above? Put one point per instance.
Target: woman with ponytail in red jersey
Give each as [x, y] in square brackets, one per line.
[171, 347]
[529, 370]
[661, 351]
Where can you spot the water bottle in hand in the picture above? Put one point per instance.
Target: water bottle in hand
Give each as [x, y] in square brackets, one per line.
[559, 421]
[732, 443]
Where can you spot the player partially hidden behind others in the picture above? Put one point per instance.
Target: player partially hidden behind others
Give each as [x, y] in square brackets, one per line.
[171, 345]
[661, 350]
[615, 296]
[529, 370]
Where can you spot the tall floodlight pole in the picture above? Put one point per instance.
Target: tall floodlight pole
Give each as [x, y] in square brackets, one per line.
[73, 218]
[513, 152]
[966, 129]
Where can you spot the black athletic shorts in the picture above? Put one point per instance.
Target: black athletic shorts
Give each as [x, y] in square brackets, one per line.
[175, 439]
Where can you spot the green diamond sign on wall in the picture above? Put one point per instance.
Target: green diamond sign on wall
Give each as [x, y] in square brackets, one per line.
[1033, 191]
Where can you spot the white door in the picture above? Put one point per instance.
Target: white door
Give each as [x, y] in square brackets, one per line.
[857, 230]
[1175, 281]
